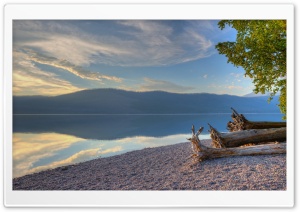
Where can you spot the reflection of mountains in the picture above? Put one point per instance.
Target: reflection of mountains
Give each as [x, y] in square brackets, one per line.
[110, 127]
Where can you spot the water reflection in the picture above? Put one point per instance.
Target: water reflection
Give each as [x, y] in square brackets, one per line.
[112, 127]
[37, 152]
[46, 142]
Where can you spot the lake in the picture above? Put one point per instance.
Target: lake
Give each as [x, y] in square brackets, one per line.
[43, 142]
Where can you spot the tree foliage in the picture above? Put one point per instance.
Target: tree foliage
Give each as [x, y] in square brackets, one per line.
[260, 48]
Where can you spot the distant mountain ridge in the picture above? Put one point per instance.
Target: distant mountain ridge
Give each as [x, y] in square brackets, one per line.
[113, 101]
[252, 94]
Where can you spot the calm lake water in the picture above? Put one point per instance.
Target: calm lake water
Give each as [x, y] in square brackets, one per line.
[43, 142]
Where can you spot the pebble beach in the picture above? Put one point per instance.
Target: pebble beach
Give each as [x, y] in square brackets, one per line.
[163, 168]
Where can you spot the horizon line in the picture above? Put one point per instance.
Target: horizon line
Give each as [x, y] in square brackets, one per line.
[130, 114]
[118, 89]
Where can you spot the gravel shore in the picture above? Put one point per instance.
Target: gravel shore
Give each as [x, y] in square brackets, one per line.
[163, 168]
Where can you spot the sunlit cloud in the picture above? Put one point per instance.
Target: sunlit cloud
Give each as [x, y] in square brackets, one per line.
[30, 80]
[79, 51]
[24, 84]
[234, 87]
[75, 47]
[162, 85]
[76, 70]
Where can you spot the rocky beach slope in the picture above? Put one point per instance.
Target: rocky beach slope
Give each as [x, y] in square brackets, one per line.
[163, 168]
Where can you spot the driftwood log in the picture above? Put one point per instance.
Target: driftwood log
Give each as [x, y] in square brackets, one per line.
[241, 123]
[253, 136]
[202, 152]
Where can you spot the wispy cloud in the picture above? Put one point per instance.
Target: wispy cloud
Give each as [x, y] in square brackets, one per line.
[154, 85]
[205, 76]
[231, 87]
[65, 41]
[76, 46]
[150, 33]
[66, 65]
[137, 43]
[29, 79]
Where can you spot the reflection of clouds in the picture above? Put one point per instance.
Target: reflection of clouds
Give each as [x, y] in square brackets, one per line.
[29, 148]
[111, 150]
[78, 157]
[153, 141]
[81, 156]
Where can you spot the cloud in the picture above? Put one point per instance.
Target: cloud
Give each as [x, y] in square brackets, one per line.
[205, 76]
[63, 40]
[154, 85]
[131, 43]
[29, 79]
[77, 50]
[66, 65]
[74, 46]
[150, 33]
[236, 75]
[231, 87]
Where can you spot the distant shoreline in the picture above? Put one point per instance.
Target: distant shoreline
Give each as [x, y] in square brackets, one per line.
[154, 114]
[113, 101]
[163, 168]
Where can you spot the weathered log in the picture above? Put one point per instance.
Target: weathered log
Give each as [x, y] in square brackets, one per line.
[201, 152]
[241, 123]
[253, 136]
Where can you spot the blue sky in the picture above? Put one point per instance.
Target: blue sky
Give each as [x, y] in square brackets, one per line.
[63, 56]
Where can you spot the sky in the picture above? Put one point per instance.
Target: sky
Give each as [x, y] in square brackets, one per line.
[54, 57]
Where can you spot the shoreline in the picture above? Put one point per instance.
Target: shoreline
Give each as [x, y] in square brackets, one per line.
[163, 168]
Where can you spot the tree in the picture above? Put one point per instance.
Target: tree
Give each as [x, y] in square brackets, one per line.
[260, 48]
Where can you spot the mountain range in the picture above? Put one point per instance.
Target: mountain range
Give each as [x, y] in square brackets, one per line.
[114, 101]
